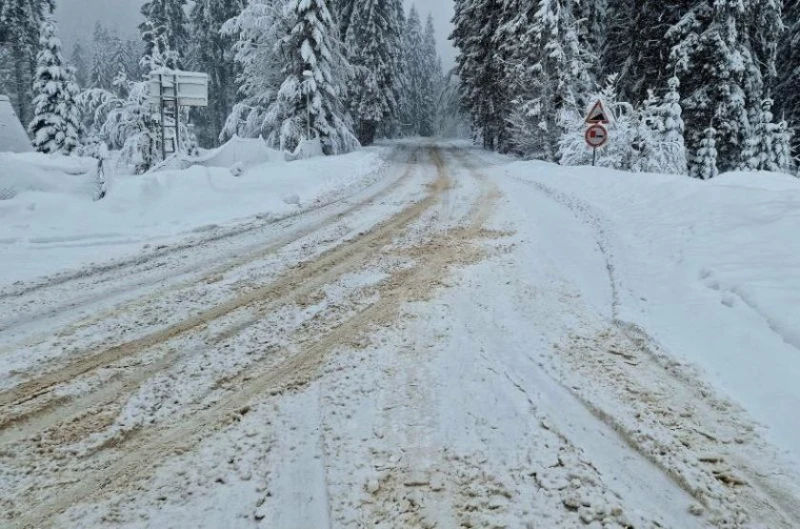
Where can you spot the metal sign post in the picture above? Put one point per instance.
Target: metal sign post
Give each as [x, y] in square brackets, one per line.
[171, 90]
[597, 134]
[596, 137]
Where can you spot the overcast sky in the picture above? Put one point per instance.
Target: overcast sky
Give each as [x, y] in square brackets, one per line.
[77, 18]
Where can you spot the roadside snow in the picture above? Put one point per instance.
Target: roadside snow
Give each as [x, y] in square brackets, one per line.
[51, 223]
[710, 269]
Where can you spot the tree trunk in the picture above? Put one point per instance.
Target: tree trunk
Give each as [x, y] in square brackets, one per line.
[22, 86]
[366, 133]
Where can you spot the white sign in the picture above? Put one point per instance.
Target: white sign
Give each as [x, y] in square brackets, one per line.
[190, 88]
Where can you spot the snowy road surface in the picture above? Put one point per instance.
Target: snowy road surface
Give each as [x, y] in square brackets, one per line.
[457, 344]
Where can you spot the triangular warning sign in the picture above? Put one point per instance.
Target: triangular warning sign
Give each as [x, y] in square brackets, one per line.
[597, 115]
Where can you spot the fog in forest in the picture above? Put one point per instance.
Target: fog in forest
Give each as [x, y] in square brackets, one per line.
[77, 18]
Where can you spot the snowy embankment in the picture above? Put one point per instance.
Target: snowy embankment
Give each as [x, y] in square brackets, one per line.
[50, 223]
[710, 269]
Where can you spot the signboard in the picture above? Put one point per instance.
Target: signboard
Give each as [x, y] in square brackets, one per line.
[598, 115]
[168, 91]
[596, 136]
[190, 88]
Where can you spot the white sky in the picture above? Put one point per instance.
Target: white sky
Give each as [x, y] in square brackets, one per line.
[77, 18]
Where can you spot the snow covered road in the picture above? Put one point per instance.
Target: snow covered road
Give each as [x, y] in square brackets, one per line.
[453, 345]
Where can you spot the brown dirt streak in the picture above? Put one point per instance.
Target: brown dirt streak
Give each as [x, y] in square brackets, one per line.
[215, 272]
[98, 270]
[141, 458]
[295, 281]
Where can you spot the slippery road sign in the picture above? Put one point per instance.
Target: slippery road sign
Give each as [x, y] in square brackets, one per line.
[598, 115]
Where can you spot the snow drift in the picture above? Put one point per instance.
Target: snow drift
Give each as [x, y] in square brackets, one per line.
[711, 269]
[12, 135]
[50, 221]
[29, 172]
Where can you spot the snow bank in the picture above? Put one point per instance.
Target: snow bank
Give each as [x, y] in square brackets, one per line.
[306, 149]
[241, 151]
[236, 152]
[52, 224]
[12, 134]
[711, 269]
[28, 172]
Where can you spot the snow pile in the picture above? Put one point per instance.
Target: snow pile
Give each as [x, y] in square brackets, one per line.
[242, 152]
[710, 269]
[27, 172]
[52, 223]
[306, 149]
[12, 135]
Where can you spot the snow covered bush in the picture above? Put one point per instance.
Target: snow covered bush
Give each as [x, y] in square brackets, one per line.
[56, 123]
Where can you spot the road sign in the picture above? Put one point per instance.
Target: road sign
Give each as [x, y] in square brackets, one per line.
[596, 136]
[598, 115]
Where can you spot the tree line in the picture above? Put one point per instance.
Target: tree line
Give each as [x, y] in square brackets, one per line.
[697, 86]
[343, 71]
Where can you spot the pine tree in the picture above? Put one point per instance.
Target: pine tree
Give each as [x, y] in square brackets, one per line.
[415, 102]
[547, 69]
[374, 41]
[705, 166]
[342, 12]
[635, 47]
[101, 75]
[649, 156]
[258, 31]
[158, 53]
[483, 92]
[56, 124]
[674, 130]
[593, 29]
[166, 23]
[309, 102]
[528, 135]
[724, 53]
[784, 162]
[770, 149]
[787, 90]
[20, 24]
[212, 52]
[78, 61]
[432, 80]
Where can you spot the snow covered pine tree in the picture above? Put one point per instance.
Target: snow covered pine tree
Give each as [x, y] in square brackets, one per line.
[309, 103]
[20, 23]
[56, 124]
[373, 42]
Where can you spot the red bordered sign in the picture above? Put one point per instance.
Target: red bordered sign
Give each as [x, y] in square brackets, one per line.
[598, 115]
[596, 136]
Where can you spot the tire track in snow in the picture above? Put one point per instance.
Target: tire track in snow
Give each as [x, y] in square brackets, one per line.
[728, 507]
[586, 214]
[137, 456]
[289, 287]
[16, 291]
[217, 266]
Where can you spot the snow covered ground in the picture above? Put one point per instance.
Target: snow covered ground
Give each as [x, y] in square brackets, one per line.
[711, 270]
[458, 340]
[53, 224]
